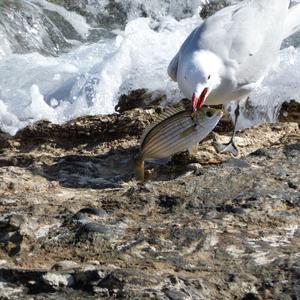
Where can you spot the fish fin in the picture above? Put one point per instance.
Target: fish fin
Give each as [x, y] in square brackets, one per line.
[170, 111]
[138, 165]
[193, 149]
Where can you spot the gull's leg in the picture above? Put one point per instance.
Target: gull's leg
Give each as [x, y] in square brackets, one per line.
[230, 147]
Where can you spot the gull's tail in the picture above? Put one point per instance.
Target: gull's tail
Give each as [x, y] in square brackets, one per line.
[292, 23]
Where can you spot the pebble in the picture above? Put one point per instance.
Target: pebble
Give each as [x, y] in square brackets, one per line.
[170, 201]
[65, 265]
[94, 211]
[57, 280]
[196, 167]
[95, 227]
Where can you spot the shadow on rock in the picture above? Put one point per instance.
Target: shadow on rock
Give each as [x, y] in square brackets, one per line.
[109, 170]
[98, 172]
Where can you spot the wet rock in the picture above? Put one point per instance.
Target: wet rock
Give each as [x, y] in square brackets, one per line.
[21, 18]
[290, 112]
[4, 141]
[139, 99]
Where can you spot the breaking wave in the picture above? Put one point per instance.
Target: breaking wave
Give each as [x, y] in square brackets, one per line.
[63, 59]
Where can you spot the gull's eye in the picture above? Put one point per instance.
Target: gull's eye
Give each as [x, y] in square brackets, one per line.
[208, 77]
[209, 114]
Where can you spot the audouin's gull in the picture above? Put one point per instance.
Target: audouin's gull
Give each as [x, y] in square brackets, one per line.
[229, 54]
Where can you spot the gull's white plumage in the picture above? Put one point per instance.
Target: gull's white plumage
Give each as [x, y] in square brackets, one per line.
[234, 48]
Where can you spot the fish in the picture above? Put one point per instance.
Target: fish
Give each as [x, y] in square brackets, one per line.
[175, 130]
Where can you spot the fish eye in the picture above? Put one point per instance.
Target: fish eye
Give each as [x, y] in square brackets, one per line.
[208, 77]
[209, 114]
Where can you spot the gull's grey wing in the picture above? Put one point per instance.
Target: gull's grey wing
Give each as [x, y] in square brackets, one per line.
[172, 68]
[245, 36]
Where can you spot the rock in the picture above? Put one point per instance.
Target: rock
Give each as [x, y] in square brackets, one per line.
[57, 280]
[93, 211]
[87, 280]
[9, 291]
[95, 228]
[65, 265]
[238, 163]
[3, 262]
[292, 185]
[4, 141]
[170, 202]
[139, 99]
[10, 235]
[196, 167]
[251, 296]
[290, 112]
[94, 129]
[74, 222]
[176, 295]
[94, 233]
[87, 214]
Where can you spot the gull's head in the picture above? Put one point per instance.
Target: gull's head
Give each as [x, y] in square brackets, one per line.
[203, 76]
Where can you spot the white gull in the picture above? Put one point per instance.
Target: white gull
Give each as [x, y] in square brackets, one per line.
[230, 53]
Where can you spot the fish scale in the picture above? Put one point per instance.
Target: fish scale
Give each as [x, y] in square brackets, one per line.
[168, 133]
[167, 145]
[175, 131]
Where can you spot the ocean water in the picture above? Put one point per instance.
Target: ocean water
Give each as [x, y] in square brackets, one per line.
[61, 59]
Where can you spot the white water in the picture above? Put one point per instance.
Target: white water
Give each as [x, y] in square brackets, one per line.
[89, 78]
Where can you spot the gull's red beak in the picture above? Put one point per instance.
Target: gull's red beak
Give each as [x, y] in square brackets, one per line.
[198, 103]
[194, 102]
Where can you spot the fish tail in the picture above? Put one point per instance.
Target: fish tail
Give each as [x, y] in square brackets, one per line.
[138, 165]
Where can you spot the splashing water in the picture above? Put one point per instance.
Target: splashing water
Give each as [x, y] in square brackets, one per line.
[58, 62]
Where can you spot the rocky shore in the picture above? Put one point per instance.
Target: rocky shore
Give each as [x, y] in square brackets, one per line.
[74, 223]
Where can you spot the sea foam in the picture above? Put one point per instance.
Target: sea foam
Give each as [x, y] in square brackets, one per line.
[89, 79]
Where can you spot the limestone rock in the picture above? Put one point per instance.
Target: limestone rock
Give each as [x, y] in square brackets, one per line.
[74, 223]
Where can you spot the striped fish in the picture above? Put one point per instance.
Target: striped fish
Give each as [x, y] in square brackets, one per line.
[176, 130]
